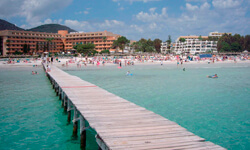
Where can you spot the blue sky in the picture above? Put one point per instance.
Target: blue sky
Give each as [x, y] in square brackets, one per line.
[134, 19]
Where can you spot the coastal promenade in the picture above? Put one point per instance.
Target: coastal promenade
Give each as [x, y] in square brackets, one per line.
[119, 123]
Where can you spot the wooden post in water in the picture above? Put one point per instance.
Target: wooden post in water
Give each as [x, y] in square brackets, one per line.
[57, 89]
[65, 104]
[63, 99]
[60, 92]
[53, 83]
[75, 123]
[82, 132]
[62, 95]
[69, 111]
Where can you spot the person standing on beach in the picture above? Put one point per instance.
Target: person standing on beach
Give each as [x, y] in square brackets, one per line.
[48, 60]
[67, 63]
[52, 60]
[48, 68]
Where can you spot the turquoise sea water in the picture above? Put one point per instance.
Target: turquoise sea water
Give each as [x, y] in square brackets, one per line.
[31, 116]
[215, 109]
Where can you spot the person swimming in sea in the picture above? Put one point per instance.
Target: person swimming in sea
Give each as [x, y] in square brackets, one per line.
[129, 74]
[213, 76]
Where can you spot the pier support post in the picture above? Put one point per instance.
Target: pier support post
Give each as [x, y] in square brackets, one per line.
[69, 111]
[62, 95]
[60, 92]
[57, 90]
[63, 99]
[69, 116]
[82, 132]
[53, 83]
[75, 123]
[65, 104]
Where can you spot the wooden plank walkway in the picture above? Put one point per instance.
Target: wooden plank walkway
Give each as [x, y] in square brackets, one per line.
[119, 123]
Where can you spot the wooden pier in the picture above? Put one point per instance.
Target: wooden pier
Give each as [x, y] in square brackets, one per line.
[119, 123]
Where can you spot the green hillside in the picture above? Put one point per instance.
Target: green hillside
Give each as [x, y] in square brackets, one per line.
[5, 25]
[51, 28]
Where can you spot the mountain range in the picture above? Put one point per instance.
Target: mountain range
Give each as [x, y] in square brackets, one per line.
[49, 28]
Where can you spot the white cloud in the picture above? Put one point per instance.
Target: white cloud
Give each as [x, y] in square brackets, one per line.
[94, 26]
[196, 19]
[33, 10]
[86, 11]
[205, 5]
[132, 1]
[152, 10]
[226, 3]
[152, 16]
[153, 26]
[136, 28]
[201, 1]
[110, 24]
[191, 7]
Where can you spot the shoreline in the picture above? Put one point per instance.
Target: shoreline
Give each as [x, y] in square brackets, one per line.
[3, 64]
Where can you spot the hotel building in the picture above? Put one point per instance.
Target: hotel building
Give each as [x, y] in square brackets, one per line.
[194, 45]
[12, 41]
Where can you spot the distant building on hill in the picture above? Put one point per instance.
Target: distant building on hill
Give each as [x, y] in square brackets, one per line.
[194, 44]
[164, 47]
[217, 34]
[128, 48]
[12, 41]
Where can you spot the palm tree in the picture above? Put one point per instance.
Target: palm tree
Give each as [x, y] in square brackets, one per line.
[121, 42]
[104, 40]
[37, 48]
[169, 41]
[115, 45]
[49, 40]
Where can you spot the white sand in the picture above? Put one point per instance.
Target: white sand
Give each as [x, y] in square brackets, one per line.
[63, 61]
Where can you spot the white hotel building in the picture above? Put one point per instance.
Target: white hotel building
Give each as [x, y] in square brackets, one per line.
[193, 45]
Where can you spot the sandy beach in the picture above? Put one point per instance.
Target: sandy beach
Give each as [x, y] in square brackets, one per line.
[73, 62]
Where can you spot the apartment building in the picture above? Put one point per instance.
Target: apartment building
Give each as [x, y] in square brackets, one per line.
[13, 41]
[164, 47]
[96, 38]
[194, 46]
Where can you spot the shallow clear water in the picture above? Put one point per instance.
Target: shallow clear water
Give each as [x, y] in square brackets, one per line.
[31, 116]
[215, 109]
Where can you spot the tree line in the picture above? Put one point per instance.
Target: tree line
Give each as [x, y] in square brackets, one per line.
[144, 45]
[233, 43]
